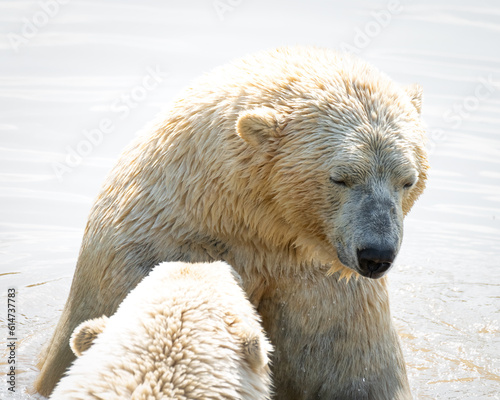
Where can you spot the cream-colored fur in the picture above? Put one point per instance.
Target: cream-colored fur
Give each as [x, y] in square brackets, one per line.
[185, 332]
[240, 168]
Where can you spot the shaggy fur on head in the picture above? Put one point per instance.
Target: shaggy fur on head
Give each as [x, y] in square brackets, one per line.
[186, 332]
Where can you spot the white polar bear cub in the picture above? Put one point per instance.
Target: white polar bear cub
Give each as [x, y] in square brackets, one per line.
[187, 331]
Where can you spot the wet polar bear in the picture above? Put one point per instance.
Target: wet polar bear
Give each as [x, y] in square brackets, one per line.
[287, 164]
[186, 332]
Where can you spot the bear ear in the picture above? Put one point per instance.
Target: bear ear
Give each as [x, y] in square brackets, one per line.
[84, 334]
[255, 348]
[415, 92]
[254, 344]
[258, 125]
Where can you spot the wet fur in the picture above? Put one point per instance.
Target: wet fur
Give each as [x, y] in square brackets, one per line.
[196, 189]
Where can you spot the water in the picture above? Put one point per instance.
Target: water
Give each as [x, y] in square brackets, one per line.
[87, 66]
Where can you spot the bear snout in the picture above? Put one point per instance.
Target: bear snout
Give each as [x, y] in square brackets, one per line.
[375, 261]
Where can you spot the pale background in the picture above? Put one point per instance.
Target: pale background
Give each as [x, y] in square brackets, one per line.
[66, 69]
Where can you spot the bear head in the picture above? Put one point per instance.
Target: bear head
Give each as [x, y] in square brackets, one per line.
[348, 161]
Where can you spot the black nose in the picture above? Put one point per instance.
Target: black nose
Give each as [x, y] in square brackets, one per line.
[374, 262]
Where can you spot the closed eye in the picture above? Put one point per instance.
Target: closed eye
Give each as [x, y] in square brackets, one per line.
[338, 182]
[409, 185]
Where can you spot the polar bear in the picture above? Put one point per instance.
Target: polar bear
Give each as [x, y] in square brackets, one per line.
[186, 332]
[296, 166]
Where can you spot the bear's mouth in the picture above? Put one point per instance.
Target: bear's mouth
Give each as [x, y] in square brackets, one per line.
[377, 273]
[344, 260]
